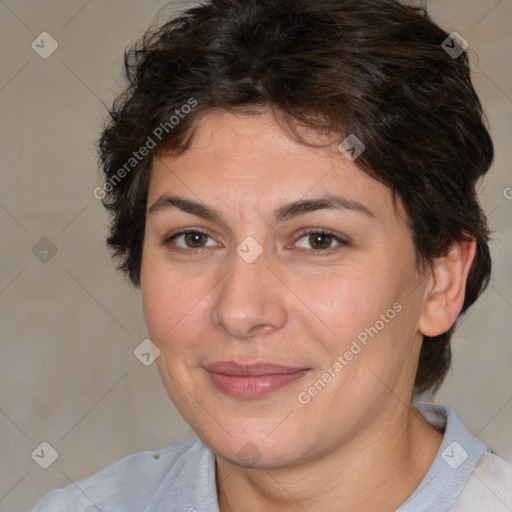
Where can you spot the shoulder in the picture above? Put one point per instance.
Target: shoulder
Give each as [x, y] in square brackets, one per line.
[127, 484]
[489, 487]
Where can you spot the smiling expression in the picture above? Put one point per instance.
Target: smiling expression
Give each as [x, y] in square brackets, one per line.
[263, 260]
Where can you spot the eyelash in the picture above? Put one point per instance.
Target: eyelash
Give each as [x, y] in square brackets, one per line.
[314, 252]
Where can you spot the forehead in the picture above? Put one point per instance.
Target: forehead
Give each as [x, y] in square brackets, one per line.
[236, 158]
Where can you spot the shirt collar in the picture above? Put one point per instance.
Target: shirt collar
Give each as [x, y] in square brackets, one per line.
[455, 461]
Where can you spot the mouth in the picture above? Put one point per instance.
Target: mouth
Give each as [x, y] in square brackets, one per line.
[252, 380]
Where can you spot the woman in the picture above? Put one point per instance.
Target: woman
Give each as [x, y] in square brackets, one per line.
[292, 186]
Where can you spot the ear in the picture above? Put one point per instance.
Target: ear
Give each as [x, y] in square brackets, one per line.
[444, 295]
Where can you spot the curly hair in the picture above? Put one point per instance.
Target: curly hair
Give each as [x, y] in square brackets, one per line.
[374, 68]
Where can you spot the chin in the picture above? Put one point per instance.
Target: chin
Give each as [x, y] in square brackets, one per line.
[256, 449]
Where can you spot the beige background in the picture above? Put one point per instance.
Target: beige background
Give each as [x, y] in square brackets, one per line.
[69, 326]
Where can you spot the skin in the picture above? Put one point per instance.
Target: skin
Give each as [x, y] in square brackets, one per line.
[358, 445]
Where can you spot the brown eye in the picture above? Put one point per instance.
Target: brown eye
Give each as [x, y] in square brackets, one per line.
[188, 239]
[320, 242]
[194, 239]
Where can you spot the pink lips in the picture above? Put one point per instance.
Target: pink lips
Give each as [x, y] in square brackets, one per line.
[252, 381]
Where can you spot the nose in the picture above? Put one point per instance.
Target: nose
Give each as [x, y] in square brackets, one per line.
[250, 300]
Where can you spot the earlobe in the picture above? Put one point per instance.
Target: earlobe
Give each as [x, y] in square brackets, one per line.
[445, 293]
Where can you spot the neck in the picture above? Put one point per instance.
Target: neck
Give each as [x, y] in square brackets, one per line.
[378, 470]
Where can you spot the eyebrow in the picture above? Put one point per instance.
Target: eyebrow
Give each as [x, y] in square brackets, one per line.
[284, 212]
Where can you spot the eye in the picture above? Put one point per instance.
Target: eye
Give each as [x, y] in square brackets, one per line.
[189, 239]
[321, 242]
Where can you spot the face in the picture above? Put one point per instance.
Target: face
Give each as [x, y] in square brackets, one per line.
[280, 286]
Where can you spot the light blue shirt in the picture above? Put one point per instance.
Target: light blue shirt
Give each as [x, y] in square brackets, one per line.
[466, 476]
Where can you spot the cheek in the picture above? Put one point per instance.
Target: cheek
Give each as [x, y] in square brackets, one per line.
[153, 298]
[171, 304]
[161, 297]
[360, 316]
[342, 305]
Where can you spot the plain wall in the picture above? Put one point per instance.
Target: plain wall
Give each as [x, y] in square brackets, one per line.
[68, 375]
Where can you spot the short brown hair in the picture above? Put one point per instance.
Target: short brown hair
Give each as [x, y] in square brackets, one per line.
[373, 68]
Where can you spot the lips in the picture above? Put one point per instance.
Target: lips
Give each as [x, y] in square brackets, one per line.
[252, 380]
[255, 369]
